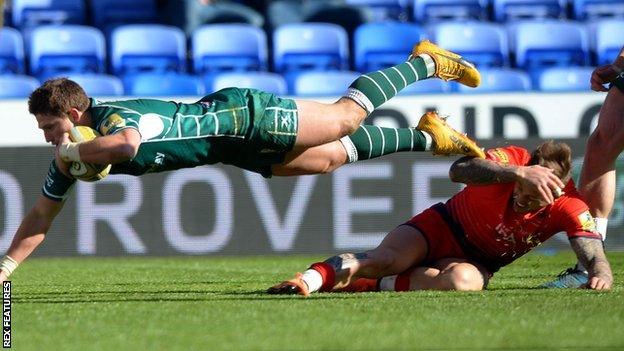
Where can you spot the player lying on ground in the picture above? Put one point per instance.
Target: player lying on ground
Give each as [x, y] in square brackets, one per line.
[605, 144]
[499, 216]
[247, 128]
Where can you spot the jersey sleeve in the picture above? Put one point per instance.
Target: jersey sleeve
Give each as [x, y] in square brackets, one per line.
[56, 186]
[511, 155]
[115, 120]
[574, 218]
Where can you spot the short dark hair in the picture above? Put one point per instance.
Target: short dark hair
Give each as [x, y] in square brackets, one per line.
[56, 97]
[556, 156]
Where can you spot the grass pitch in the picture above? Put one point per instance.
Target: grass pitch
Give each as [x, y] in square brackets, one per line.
[200, 303]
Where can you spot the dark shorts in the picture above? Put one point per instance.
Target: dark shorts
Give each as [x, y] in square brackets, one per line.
[271, 131]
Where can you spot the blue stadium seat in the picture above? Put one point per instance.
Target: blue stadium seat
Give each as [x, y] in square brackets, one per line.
[17, 86]
[330, 83]
[543, 44]
[143, 48]
[108, 14]
[11, 51]
[265, 81]
[566, 79]
[500, 80]
[229, 47]
[606, 39]
[66, 49]
[427, 86]
[384, 44]
[440, 10]
[166, 84]
[99, 84]
[510, 10]
[595, 9]
[310, 46]
[484, 44]
[31, 13]
[383, 9]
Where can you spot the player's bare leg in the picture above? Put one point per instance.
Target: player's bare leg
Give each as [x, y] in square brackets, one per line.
[446, 274]
[400, 249]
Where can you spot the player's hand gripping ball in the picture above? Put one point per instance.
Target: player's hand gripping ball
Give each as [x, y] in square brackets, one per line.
[87, 172]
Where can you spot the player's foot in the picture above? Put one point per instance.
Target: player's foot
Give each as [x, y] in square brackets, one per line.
[446, 140]
[449, 65]
[571, 278]
[290, 287]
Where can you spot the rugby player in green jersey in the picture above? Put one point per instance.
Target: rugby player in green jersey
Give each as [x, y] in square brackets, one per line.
[246, 128]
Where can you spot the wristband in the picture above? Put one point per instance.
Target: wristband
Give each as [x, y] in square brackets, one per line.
[69, 152]
[8, 265]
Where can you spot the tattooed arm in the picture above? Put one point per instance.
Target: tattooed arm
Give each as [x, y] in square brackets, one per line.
[537, 180]
[591, 254]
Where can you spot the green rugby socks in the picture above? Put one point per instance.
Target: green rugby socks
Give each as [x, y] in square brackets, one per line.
[372, 89]
[372, 141]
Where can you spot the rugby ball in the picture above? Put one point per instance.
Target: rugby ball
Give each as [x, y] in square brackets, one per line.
[87, 172]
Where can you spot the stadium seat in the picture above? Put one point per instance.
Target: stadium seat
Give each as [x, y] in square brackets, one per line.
[331, 83]
[383, 10]
[107, 14]
[143, 48]
[484, 44]
[229, 47]
[166, 84]
[500, 80]
[427, 86]
[543, 44]
[511, 10]
[11, 51]
[31, 13]
[380, 45]
[440, 10]
[265, 81]
[565, 79]
[66, 49]
[606, 44]
[595, 9]
[310, 46]
[17, 86]
[99, 84]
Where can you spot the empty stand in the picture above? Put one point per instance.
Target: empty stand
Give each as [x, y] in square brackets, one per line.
[172, 84]
[439, 10]
[11, 51]
[331, 83]
[17, 86]
[66, 49]
[142, 48]
[99, 84]
[510, 10]
[380, 45]
[566, 79]
[265, 81]
[30, 13]
[500, 80]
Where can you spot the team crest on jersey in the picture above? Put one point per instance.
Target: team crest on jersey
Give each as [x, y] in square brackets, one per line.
[500, 155]
[587, 221]
[111, 122]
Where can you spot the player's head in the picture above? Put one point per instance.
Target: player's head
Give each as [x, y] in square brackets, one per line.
[57, 104]
[556, 156]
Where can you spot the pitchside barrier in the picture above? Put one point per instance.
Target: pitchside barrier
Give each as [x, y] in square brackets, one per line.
[224, 210]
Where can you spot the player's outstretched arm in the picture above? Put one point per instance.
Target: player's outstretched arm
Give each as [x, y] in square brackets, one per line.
[30, 234]
[109, 149]
[591, 254]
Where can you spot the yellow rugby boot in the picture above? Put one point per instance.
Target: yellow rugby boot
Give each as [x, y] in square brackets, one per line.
[446, 140]
[449, 65]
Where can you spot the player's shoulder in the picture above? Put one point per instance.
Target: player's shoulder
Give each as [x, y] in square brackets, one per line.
[510, 154]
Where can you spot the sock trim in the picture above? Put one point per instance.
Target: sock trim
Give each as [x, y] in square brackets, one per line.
[352, 153]
[328, 274]
[429, 64]
[396, 135]
[360, 99]
[378, 87]
[413, 137]
[370, 143]
[401, 75]
[428, 140]
[383, 140]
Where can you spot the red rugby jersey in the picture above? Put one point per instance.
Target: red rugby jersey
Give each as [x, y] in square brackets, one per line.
[486, 214]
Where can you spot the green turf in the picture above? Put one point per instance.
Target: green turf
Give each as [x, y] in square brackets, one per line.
[217, 303]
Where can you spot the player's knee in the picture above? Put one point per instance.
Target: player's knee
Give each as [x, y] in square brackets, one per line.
[464, 277]
[351, 116]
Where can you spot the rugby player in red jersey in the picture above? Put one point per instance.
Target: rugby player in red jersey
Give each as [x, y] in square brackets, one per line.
[514, 200]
